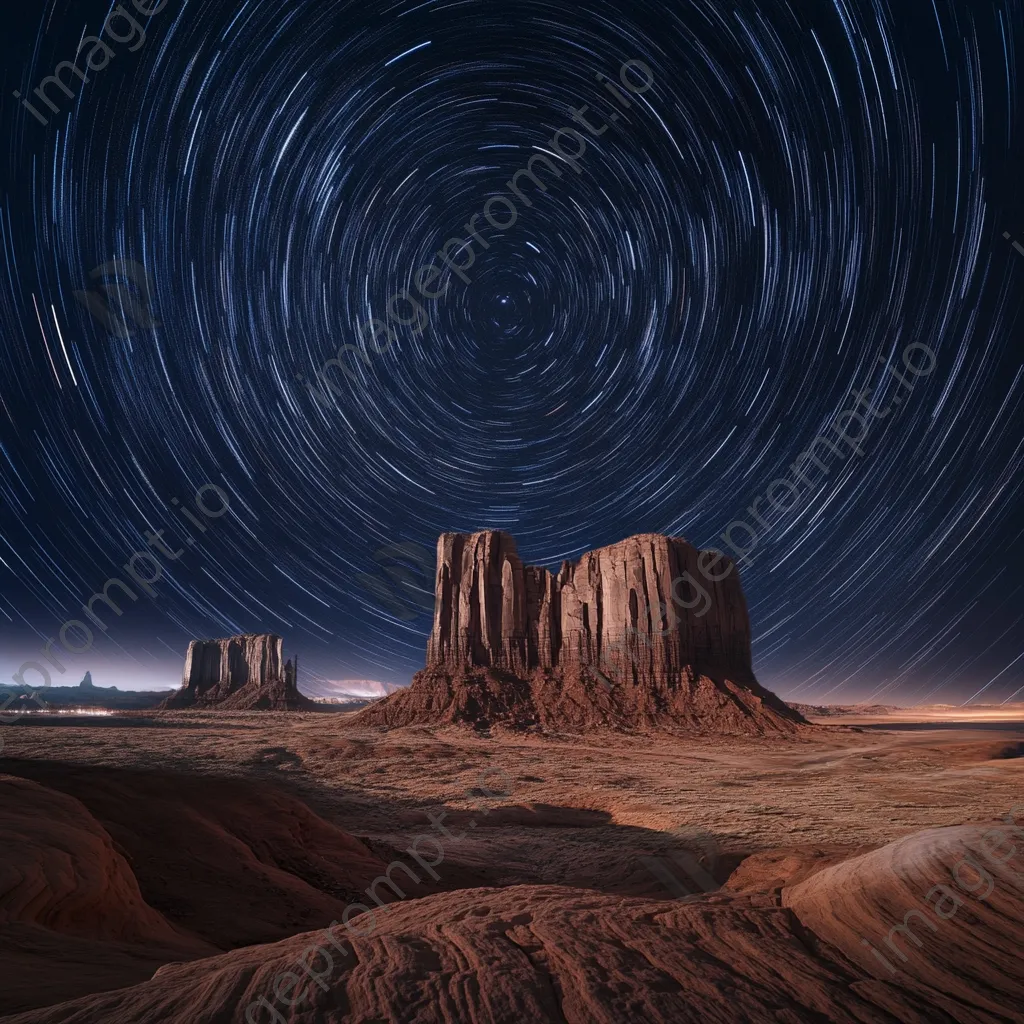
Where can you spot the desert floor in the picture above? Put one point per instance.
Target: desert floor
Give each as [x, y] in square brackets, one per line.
[588, 813]
[868, 780]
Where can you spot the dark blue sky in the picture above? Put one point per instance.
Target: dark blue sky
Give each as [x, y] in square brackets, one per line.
[776, 197]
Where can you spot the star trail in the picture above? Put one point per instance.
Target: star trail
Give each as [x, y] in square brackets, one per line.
[203, 245]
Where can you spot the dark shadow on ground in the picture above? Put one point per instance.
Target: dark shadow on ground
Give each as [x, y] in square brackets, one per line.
[253, 859]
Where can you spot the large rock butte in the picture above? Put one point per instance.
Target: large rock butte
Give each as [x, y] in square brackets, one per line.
[239, 673]
[649, 633]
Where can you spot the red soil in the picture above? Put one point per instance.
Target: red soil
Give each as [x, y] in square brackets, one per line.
[576, 700]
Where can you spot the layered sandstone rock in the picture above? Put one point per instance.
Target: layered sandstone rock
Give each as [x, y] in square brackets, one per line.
[649, 632]
[555, 953]
[72, 917]
[239, 673]
[633, 605]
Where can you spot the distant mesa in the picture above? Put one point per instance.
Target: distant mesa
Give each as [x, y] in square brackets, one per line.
[839, 710]
[239, 673]
[615, 639]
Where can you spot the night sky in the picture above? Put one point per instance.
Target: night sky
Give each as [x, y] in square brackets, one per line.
[773, 204]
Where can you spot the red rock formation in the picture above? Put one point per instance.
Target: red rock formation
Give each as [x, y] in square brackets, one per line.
[72, 917]
[239, 673]
[937, 913]
[616, 604]
[646, 633]
[554, 953]
[107, 874]
[61, 871]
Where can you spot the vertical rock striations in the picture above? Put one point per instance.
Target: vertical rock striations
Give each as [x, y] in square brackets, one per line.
[239, 673]
[643, 602]
[646, 633]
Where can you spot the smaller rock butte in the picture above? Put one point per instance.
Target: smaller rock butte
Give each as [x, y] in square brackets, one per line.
[646, 634]
[239, 673]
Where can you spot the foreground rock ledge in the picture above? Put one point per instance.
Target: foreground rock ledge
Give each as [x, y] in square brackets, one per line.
[634, 636]
[549, 953]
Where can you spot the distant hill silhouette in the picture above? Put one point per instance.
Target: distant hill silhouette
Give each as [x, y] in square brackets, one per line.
[85, 695]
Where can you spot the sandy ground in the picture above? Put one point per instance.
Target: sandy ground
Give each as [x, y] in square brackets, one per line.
[948, 714]
[239, 826]
[575, 806]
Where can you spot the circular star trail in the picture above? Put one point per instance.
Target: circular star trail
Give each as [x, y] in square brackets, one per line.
[659, 331]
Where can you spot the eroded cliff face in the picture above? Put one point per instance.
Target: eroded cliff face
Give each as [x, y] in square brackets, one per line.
[490, 609]
[648, 633]
[642, 606]
[238, 673]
